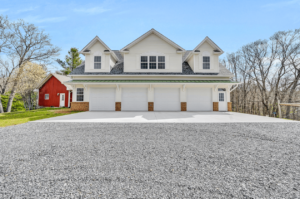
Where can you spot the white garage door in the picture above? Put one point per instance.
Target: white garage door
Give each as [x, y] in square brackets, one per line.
[167, 99]
[102, 99]
[134, 99]
[199, 99]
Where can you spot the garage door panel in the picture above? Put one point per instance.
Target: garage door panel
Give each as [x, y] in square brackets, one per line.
[167, 99]
[134, 99]
[102, 99]
[199, 99]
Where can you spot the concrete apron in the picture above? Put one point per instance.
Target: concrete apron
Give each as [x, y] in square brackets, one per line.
[162, 117]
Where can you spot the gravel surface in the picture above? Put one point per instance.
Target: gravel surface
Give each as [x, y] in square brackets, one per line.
[94, 160]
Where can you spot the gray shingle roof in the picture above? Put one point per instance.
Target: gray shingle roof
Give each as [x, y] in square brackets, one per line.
[118, 69]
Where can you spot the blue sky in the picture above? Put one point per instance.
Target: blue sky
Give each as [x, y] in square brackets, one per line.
[230, 24]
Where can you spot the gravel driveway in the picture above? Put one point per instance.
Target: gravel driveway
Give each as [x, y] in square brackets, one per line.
[94, 160]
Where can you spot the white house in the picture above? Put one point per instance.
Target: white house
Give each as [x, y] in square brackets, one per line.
[152, 73]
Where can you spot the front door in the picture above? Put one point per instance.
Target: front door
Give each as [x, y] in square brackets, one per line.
[62, 100]
[222, 101]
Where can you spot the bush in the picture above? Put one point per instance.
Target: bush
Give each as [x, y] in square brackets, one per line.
[18, 104]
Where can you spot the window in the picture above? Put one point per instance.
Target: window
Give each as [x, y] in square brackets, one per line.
[152, 62]
[79, 94]
[155, 62]
[62, 97]
[221, 97]
[97, 62]
[46, 96]
[144, 62]
[206, 62]
[161, 62]
[221, 89]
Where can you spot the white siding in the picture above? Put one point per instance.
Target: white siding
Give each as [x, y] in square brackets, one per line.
[97, 50]
[152, 45]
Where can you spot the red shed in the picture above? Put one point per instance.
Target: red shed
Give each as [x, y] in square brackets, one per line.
[52, 91]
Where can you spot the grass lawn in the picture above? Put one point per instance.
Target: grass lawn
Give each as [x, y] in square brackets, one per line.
[8, 119]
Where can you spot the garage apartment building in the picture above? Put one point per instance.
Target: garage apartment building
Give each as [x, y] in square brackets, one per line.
[152, 73]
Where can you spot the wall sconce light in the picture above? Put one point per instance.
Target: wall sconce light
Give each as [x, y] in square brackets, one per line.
[57, 94]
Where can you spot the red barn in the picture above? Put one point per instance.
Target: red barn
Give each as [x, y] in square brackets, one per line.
[52, 91]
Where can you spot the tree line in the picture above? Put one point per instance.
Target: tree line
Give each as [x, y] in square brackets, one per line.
[269, 71]
[25, 52]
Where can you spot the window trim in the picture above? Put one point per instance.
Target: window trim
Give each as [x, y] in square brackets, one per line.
[205, 62]
[45, 96]
[148, 62]
[98, 62]
[79, 95]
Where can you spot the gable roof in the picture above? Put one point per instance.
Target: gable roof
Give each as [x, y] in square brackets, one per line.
[208, 40]
[91, 43]
[118, 70]
[152, 31]
[60, 78]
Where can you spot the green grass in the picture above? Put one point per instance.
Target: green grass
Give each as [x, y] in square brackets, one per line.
[20, 117]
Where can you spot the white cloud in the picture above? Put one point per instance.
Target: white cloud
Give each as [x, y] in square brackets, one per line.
[27, 9]
[38, 19]
[92, 11]
[282, 3]
[3, 10]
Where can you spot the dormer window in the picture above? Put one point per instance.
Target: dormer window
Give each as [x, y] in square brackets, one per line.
[154, 62]
[97, 62]
[206, 62]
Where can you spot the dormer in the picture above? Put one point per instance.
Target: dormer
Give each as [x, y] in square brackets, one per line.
[205, 57]
[152, 53]
[98, 56]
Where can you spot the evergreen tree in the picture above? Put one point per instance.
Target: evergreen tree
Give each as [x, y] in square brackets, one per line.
[72, 60]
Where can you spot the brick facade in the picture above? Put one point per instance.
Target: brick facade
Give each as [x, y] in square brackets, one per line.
[150, 106]
[215, 106]
[118, 106]
[229, 106]
[79, 106]
[183, 106]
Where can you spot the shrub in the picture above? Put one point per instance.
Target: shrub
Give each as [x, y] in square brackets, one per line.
[18, 104]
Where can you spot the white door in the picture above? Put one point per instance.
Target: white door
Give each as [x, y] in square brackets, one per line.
[102, 99]
[222, 101]
[134, 99]
[199, 99]
[62, 100]
[167, 99]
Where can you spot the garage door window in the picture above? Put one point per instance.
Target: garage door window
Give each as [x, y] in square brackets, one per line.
[79, 94]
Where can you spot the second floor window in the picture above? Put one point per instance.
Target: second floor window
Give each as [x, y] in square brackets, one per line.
[206, 62]
[97, 62]
[144, 62]
[161, 62]
[79, 94]
[154, 62]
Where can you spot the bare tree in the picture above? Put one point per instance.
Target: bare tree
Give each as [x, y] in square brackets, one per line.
[29, 44]
[5, 72]
[270, 71]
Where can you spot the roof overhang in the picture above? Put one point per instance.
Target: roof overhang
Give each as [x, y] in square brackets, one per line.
[152, 31]
[154, 75]
[217, 49]
[85, 50]
[202, 82]
[47, 78]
